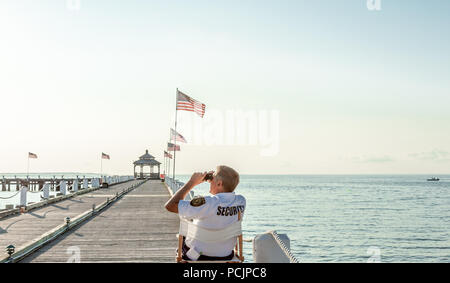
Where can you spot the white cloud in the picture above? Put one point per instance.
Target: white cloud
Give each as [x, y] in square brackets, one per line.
[433, 155]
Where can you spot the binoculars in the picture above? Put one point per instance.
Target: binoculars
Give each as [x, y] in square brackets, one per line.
[208, 177]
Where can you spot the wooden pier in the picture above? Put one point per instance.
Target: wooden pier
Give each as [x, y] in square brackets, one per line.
[18, 229]
[136, 228]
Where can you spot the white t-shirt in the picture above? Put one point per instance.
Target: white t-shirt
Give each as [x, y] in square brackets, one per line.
[218, 212]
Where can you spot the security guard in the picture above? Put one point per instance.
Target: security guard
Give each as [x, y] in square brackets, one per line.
[214, 212]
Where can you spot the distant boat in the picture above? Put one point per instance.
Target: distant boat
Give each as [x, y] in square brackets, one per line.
[434, 179]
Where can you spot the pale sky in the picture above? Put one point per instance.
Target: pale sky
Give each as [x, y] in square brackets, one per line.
[352, 91]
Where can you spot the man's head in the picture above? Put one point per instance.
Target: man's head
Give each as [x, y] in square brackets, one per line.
[225, 180]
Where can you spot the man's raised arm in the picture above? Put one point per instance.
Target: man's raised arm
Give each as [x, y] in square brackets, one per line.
[172, 203]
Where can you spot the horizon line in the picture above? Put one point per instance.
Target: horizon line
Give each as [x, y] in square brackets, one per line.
[242, 174]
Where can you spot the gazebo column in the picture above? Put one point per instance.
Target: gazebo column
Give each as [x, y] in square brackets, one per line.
[142, 172]
[159, 172]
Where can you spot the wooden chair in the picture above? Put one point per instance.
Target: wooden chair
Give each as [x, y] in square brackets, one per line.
[192, 231]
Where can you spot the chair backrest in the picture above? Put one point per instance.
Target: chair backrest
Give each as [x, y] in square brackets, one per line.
[193, 231]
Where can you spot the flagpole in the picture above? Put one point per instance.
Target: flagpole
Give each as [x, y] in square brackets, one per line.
[175, 149]
[28, 166]
[101, 166]
[168, 168]
[165, 164]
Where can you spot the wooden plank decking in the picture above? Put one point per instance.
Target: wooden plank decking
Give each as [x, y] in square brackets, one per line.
[136, 228]
[18, 229]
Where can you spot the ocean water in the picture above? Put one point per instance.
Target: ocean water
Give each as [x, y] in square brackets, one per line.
[355, 218]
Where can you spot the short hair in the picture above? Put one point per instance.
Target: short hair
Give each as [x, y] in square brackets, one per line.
[228, 176]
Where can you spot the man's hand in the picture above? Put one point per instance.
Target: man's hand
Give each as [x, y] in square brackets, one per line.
[197, 178]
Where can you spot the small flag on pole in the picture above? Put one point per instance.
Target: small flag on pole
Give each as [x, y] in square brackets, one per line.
[176, 136]
[186, 103]
[105, 156]
[172, 147]
[166, 154]
[32, 155]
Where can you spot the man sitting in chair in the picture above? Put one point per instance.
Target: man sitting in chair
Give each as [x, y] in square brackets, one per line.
[212, 212]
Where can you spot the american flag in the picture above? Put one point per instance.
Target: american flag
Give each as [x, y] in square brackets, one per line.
[166, 154]
[105, 156]
[172, 147]
[186, 103]
[32, 155]
[176, 136]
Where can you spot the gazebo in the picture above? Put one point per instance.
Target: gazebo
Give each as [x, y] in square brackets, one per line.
[146, 160]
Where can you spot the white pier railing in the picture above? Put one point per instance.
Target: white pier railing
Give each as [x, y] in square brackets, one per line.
[175, 185]
[52, 188]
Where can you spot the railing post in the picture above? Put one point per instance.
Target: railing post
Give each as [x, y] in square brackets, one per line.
[63, 187]
[95, 183]
[46, 191]
[75, 186]
[10, 250]
[23, 196]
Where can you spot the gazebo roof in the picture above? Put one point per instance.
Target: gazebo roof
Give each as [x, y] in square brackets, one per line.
[147, 159]
[147, 155]
[147, 162]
